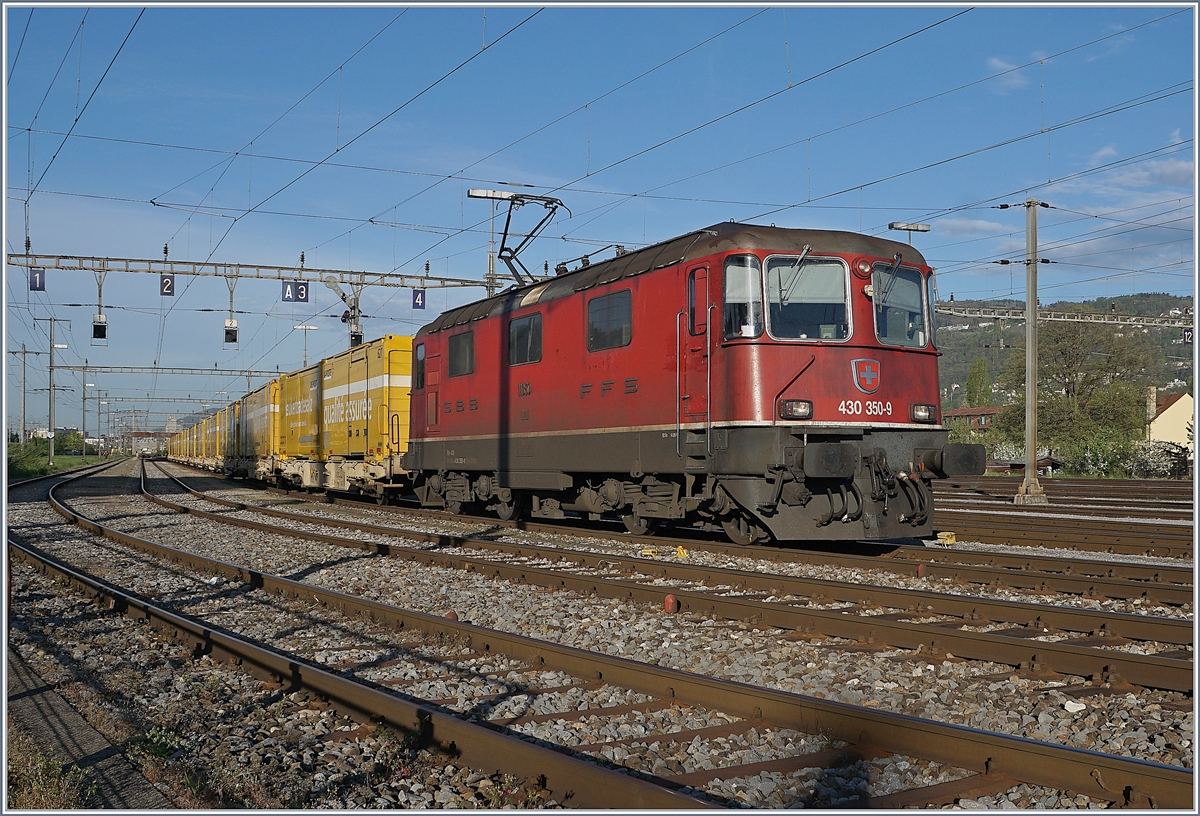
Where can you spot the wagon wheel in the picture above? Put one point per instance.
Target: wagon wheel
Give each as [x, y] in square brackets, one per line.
[382, 498]
[453, 507]
[742, 532]
[515, 507]
[640, 525]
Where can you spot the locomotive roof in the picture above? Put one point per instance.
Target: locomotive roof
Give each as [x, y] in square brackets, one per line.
[723, 237]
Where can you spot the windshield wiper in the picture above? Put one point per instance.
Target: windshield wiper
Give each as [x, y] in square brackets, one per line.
[784, 295]
[891, 271]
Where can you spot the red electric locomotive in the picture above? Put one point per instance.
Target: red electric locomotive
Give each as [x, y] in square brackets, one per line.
[774, 383]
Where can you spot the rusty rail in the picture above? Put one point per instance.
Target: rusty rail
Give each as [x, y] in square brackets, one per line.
[1094, 774]
[1146, 670]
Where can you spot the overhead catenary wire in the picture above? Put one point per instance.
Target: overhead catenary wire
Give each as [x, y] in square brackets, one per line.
[20, 45]
[88, 102]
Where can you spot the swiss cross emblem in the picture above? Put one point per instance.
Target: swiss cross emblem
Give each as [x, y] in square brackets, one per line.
[866, 375]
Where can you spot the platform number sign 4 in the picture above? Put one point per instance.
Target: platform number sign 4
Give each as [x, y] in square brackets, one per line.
[418, 298]
[1187, 336]
[295, 291]
[166, 285]
[37, 280]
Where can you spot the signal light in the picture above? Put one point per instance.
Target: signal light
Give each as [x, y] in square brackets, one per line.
[100, 327]
[796, 409]
[231, 332]
[924, 413]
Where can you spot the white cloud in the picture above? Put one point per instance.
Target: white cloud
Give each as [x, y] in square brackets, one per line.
[1009, 81]
[1163, 173]
[969, 227]
[1175, 137]
[1103, 155]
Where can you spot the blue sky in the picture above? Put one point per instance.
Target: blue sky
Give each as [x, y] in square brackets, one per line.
[254, 134]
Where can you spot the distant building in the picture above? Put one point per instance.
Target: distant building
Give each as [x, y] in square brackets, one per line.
[975, 419]
[1172, 414]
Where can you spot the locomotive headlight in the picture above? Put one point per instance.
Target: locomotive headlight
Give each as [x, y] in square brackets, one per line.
[924, 413]
[795, 409]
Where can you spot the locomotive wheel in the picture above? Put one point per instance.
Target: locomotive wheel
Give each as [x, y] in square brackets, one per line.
[454, 507]
[382, 498]
[639, 525]
[742, 532]
[514, 508]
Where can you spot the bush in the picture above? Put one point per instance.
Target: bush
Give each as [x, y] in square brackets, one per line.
[1159, 460]
[28, 460]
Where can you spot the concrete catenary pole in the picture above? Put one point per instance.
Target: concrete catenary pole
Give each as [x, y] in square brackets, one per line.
[1030, 491]
[52, 321]
[24, 353]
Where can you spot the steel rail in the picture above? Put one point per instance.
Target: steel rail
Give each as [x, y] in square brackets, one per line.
[567, 778]
[570, 780]
[1071, 511]
[1146, 670]
[1155, 490]
[972, 609]
[1094, 774]
[71, 473]
[1096, 578]
[1109, 537]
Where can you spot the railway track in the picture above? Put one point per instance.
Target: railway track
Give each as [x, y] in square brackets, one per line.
[871, 733]
[1077, 506]
[1027, 527]
[1111, 490]
[1084, 642]
[1163, 580]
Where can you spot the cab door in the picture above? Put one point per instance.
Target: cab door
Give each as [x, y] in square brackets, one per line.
[694, 348]
[433, 378]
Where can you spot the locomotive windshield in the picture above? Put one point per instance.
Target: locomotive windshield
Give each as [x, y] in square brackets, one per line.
[743, 316]
[899, 294]
[806, 298]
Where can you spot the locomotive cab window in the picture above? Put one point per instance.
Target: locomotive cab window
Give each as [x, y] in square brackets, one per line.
[698, 301]
[806, 298]
[418, 367]
[899, 304]
[743, 316]
[610, 321]
[525, 340]
[462, 354]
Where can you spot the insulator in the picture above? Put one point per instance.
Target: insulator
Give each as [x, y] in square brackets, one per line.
[166, 249]
[301, 260]
[545, 267]
[27, 244]
[427, 269]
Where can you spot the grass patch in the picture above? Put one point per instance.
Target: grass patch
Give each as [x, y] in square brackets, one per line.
[37, 781]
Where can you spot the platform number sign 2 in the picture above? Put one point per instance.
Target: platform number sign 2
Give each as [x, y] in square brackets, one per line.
[166, 285]
[418, 298]
[295, 291]
[37, 280]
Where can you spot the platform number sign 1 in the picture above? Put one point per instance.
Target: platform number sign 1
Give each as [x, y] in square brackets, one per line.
[1187, 336]
[166, 285]
[418, 298]
[37, 280]
[295, 291]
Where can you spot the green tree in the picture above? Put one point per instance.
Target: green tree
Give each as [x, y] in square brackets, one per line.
[1092, 383]
[72, 441]
[979, 384]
